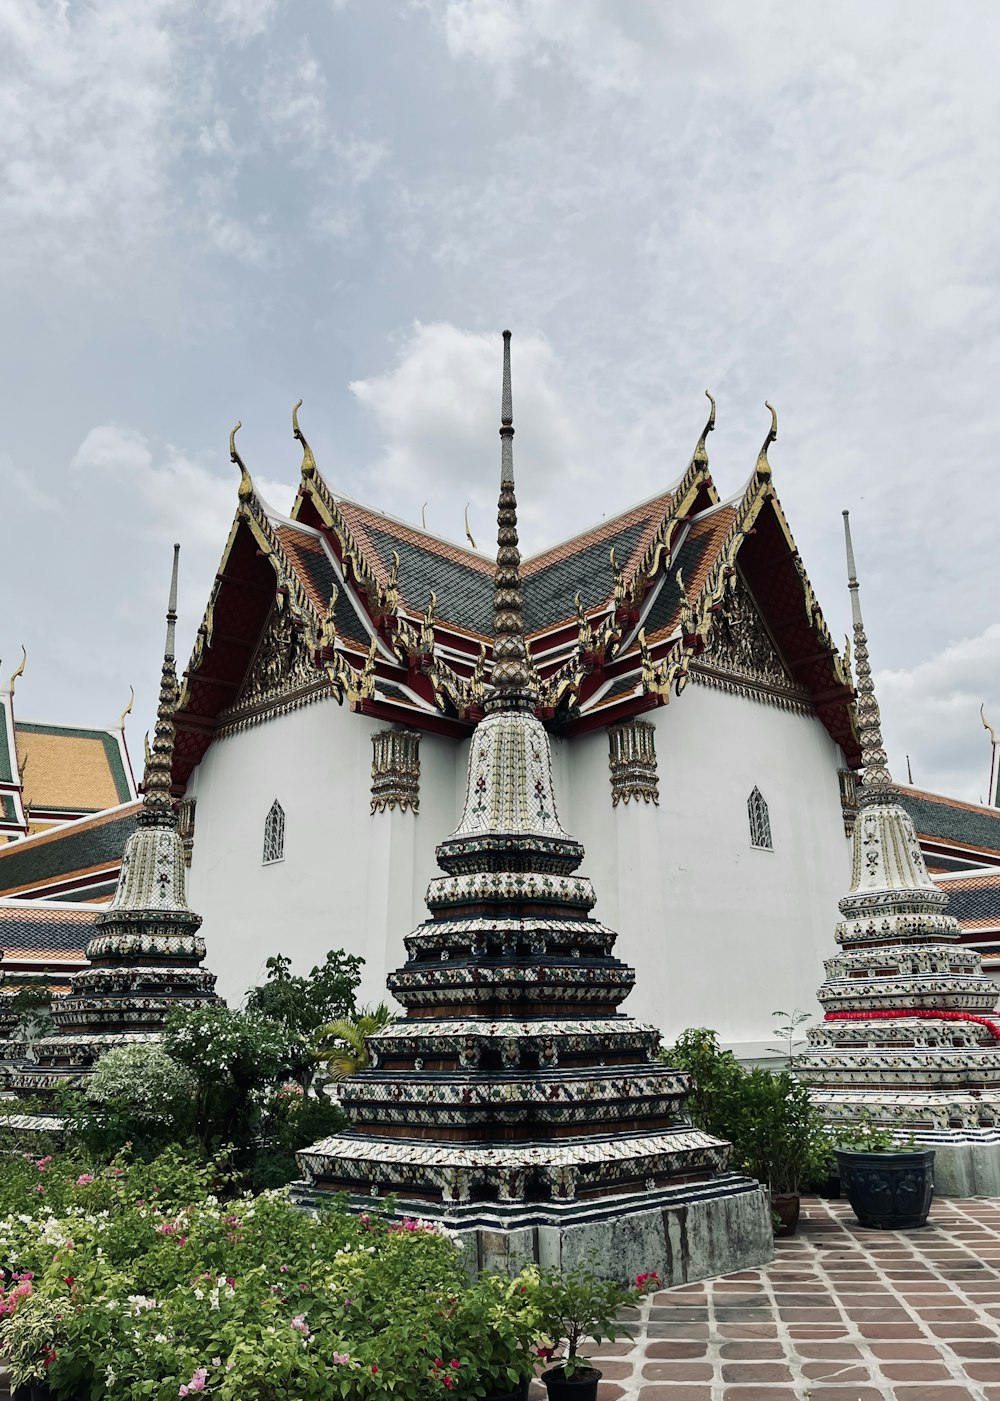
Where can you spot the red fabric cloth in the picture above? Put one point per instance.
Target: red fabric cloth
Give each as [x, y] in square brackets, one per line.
[885, 1013]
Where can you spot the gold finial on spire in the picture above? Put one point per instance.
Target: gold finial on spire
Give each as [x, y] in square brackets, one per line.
[308, 467]
[513, 685]
[128, 709]
[763, 468]
[157, 800]
[468, 532]
[876, 785]
[20, 670]
[423, 516]
[246, 482]
[701, 451]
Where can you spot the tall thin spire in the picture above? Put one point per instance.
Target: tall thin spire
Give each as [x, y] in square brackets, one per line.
[157, 802]
[877, 785]
[512, 683]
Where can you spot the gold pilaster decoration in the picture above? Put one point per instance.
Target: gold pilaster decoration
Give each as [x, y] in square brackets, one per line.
[632, 760]
[512, 679]
[185, 826]
[848, 798]
[308, 468]
[396, 770]
[328, 629]
[246, 482]
[876, 785]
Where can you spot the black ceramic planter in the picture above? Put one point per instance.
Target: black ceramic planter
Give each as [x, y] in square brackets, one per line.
[581, 1386]
[516, 1393]
[888, 1191]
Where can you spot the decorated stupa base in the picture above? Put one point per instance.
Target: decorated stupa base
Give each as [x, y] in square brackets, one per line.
[512, 1101]
[908, 1040]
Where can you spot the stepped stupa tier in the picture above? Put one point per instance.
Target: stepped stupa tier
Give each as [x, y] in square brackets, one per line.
[908, 1036]
[146, 953]
[513, 1095]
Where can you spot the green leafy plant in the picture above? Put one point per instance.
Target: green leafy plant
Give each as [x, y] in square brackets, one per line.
[787, 1030]
[864, 1135]
[302, 1005]
[342, 1045]
[577, 1304]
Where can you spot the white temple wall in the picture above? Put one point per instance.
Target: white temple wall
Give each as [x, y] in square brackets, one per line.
[349, 879]
[720, 934]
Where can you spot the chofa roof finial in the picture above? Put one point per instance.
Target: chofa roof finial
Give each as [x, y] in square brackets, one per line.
[308, 467]
[877, 785]
[701, 450]
[512, 682]
[763, 468]
[20, 669]
[246, 482]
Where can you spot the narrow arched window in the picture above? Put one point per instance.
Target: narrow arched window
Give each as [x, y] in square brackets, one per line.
[274, 834]
[760, 822]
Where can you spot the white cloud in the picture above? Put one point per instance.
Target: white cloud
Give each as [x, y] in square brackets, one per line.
[438, 412]
[26, 488]
[931, 713]
[243, 20]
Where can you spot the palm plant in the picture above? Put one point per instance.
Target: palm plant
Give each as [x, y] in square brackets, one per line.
[342, 1044]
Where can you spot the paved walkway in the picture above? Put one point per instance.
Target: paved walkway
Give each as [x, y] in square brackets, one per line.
[843, 1314]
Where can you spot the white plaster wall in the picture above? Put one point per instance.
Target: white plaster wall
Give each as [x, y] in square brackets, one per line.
[720, 934]
[349, 879]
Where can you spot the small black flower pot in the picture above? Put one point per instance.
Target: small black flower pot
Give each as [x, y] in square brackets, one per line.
[830, 1189]
[516, 1393]
[581, 1386]
[888, 1191]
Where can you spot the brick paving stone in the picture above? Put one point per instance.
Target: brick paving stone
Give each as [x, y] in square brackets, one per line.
[839, 1372]
[675, 1393]
[923, 1392]
[983, 1371]
[679, 1350]
[678, 1372]
[752, 1352]
[755, 1372]
[916, 1371]
[761, 1393]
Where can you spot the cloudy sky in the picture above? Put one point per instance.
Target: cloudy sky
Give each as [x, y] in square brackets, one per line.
[209, 208]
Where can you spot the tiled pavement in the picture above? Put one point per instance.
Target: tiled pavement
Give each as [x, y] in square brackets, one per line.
[843, 1314]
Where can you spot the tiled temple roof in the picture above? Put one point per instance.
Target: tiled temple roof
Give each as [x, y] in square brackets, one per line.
[397, 658]
[974, 898]
[69, 770]
[40, 938]
[77, 860]
[954, 835]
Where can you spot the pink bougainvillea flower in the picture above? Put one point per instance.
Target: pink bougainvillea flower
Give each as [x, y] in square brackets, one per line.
[300, 1325]
[341, 1359]
[85, 1179]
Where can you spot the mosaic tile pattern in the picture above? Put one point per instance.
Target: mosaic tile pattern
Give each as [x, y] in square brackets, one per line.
[907, 1036]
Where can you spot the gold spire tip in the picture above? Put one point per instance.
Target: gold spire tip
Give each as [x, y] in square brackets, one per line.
[246, 484]
[20, 669]
[701, 451]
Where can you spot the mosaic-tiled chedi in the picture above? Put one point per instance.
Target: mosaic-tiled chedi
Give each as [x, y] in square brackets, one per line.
[907, 1035]
[513, 1079]
[145, 956]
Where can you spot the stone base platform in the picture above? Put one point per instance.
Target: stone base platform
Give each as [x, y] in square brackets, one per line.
[965, 1165]
[684, 1233]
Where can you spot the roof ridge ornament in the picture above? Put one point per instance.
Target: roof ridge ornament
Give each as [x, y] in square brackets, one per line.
[763, 467]
[308, 468]
[128, 709]
[157, 799]
[701, 451]
[513, 686]
[877, 785]
[19, 672]
[246, 481]
[468, 532]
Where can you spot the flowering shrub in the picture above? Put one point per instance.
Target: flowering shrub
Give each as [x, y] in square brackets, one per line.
[137, 1281]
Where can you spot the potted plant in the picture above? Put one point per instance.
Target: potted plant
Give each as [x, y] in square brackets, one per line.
[575, 1306]
[887, 1179]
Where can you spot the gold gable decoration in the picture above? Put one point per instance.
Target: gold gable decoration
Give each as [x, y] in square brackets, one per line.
[282, 676]
[742, 658]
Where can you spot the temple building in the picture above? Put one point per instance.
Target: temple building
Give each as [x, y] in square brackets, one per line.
[908, 1035]
[700, 721]
[56, 774]
[144, 955]
[513, 1100]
